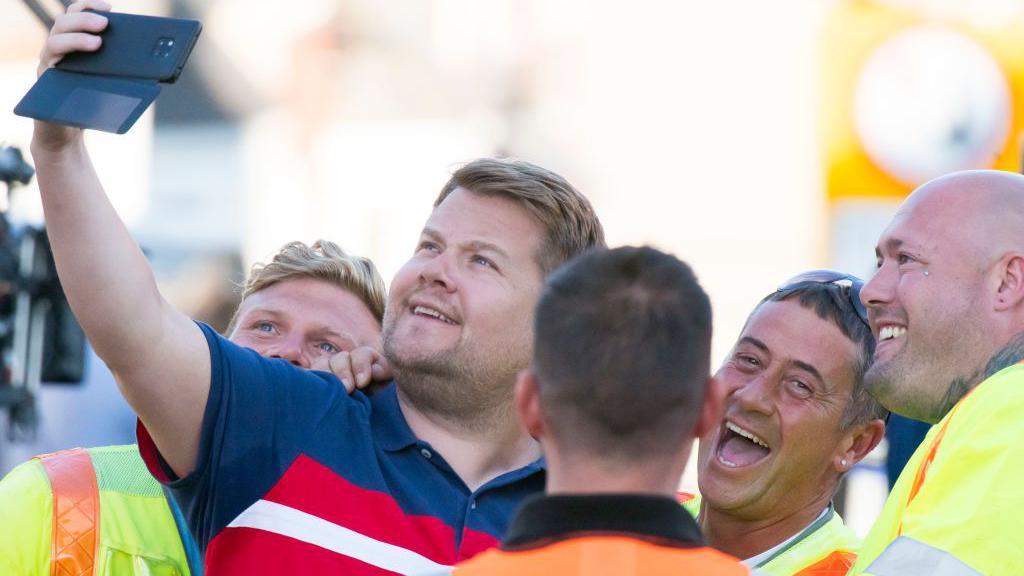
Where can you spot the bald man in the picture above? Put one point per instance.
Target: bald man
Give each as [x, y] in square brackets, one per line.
[947, 308]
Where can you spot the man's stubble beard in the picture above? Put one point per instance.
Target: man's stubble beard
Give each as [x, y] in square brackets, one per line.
[469, 387]
[925, 381]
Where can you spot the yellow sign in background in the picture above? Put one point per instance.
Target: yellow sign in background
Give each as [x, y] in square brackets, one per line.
[854, 33]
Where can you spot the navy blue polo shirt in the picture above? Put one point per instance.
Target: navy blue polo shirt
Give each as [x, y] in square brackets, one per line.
[296, 476]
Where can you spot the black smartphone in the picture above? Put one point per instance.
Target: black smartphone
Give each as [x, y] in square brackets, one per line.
[141, 47]
[106, 103]
[110, 88]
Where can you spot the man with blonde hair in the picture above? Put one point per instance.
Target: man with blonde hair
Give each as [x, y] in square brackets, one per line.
[351, 293]
[307, 303]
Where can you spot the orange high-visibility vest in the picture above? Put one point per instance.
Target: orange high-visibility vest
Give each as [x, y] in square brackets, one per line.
[599, 555]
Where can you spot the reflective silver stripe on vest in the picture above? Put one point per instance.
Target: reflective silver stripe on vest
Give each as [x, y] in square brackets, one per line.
[909, 557]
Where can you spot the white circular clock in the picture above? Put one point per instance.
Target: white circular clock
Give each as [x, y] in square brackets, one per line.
[931, 101]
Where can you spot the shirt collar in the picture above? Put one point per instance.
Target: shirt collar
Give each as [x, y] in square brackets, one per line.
[393, 434]
[759, 560]
[543, 519]
[389, 425]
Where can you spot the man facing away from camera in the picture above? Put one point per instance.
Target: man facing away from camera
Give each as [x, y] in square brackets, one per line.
[277, 468]
[618, 389]
[305, 305]
[947, 307]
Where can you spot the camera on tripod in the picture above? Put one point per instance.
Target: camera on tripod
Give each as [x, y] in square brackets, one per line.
[40, 340]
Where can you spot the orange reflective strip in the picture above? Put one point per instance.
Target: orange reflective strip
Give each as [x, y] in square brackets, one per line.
[837, 563]
[926, 463]
[76, 512]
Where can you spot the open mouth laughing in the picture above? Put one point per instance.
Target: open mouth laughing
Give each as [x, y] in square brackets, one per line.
[739, 447]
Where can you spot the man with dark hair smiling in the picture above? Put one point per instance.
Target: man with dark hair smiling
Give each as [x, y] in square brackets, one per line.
[616, 434]
[797, 418]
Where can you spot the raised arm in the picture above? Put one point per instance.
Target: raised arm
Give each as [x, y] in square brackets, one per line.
[158, 355]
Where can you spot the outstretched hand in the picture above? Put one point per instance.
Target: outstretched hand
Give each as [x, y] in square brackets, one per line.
[75, 31]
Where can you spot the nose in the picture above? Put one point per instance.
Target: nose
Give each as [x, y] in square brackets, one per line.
[437, 271]
[755, 396]
[290, 349]
[878, 290]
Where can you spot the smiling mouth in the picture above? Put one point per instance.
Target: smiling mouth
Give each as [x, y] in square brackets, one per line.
[428, 312]
[891, 333]
[738, 447]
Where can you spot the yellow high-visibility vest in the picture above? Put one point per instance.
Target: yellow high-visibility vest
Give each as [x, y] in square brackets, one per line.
[957, 507]
[825, 548]
[95, 512]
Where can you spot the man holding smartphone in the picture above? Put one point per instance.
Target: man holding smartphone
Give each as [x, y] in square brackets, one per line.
[278, 467]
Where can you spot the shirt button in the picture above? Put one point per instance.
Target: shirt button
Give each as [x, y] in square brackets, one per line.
[426, 453]
[472, 504]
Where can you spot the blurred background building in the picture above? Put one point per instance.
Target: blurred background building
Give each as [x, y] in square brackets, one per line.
[753, 139]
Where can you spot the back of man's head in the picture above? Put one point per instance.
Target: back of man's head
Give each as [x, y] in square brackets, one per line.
[570, 224]
[622, 354]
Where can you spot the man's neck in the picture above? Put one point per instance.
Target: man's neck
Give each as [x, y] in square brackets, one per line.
[590, 475]
[744, 538]
[1011, 353]
[476, 456]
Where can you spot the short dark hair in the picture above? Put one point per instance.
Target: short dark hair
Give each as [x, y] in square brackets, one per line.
[570, 224]
[622, 346]
[832, 302]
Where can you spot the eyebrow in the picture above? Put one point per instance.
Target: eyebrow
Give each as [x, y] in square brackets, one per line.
[810, 369]
[891, 245]
[267, 310]
[319, 328]
[472, 246]
[755, 343]
[334, 333]
[428, 231]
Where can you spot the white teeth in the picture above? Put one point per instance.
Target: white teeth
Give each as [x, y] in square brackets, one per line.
[748, 435]
[727, 463]
[890, 332]
[433, 313]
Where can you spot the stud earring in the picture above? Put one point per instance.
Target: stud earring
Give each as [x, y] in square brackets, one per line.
[843, 461]
[925, 272]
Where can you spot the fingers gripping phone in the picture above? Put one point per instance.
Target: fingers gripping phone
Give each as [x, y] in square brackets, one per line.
[110, 88]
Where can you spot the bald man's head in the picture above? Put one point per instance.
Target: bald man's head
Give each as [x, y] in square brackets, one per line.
[982, 209]
[949, 291]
